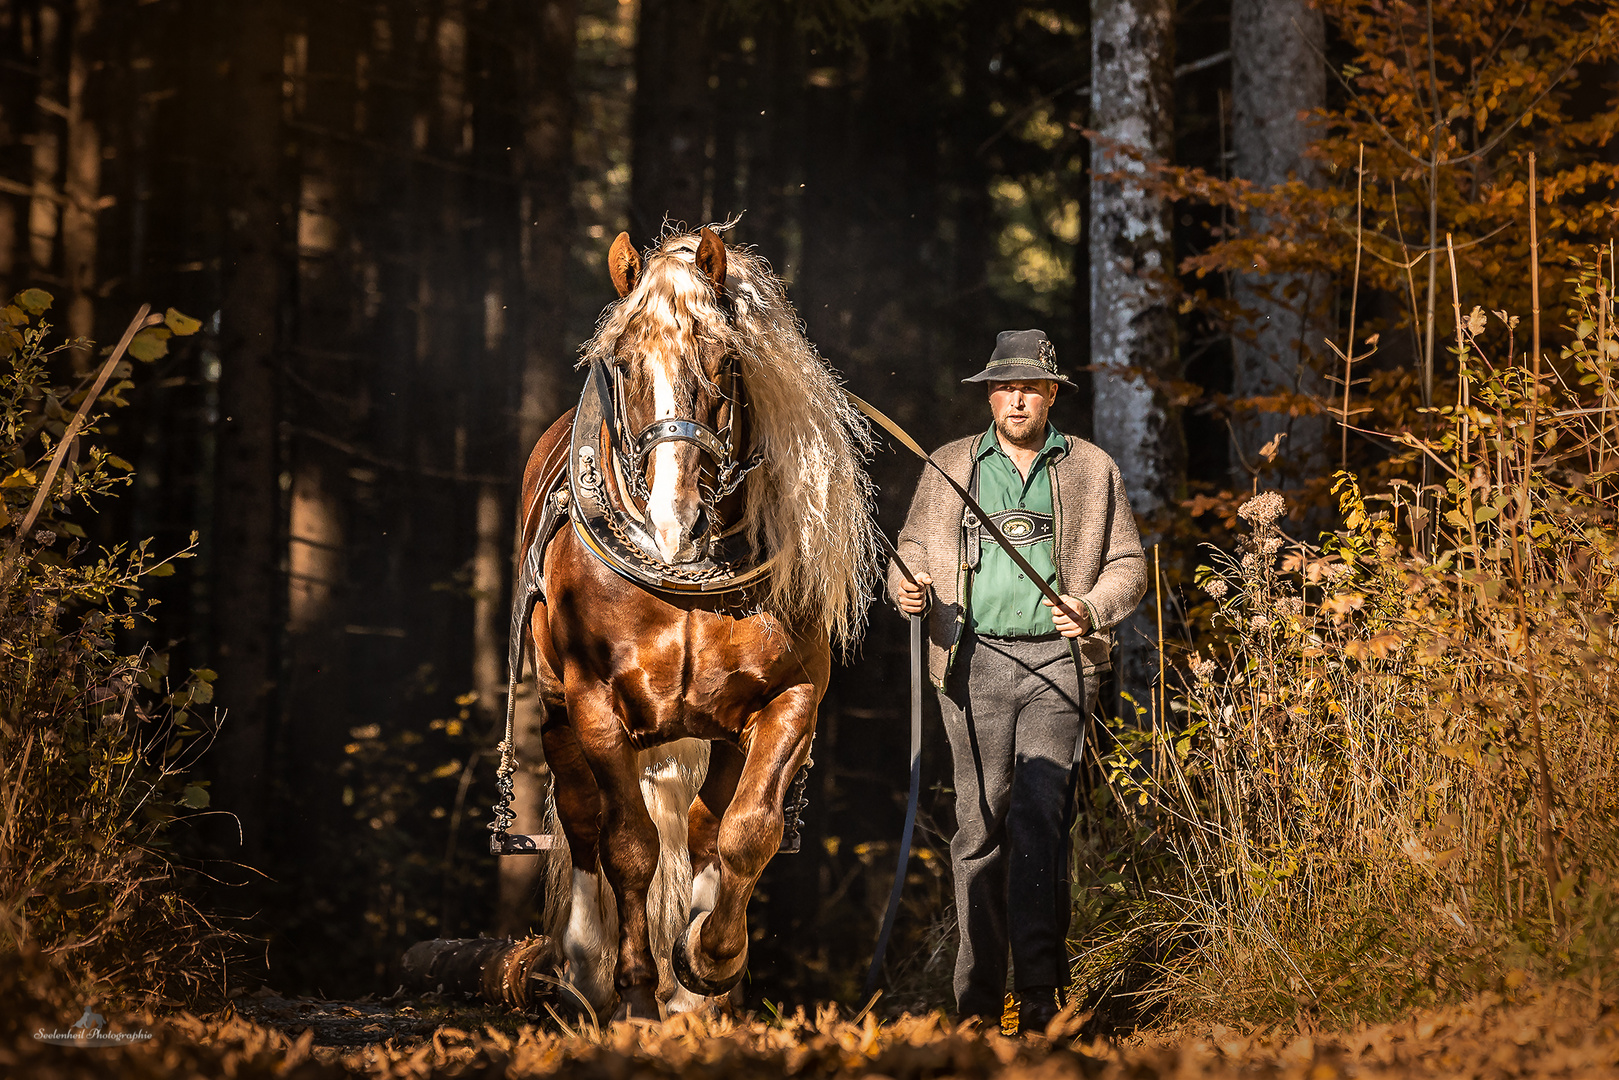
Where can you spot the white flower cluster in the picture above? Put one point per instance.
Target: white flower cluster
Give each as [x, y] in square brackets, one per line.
[1290, 606]
[1258, 623]
[1216, 587]
[1203, 669]
[1262, 510]
[1271, 544]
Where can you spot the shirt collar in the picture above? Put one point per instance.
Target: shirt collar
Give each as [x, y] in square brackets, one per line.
[1056, 444]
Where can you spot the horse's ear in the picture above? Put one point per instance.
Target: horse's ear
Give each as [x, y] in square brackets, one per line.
[623, 264]
[711, 256]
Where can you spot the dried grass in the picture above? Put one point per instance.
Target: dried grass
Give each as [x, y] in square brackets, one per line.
[1395, 783]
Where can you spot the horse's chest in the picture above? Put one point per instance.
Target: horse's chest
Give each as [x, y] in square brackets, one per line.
[702, 672]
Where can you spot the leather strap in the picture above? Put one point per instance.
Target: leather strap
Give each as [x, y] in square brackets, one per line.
[874, 975]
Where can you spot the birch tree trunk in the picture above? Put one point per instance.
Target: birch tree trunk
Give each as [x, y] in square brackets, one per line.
[1277, 77]
[1133, 341]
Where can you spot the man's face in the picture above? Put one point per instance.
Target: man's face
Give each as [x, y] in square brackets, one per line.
[1020, 409]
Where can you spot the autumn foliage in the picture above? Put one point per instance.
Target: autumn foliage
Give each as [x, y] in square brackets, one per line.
[95, 741]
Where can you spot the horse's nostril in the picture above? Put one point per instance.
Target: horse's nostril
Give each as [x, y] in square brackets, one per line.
[699, 525]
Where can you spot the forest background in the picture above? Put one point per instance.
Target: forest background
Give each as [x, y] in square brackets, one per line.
[390, 219]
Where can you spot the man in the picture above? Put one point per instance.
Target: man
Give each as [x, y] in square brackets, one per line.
[1015, 706]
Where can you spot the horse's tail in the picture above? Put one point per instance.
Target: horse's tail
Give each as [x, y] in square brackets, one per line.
[671, 776]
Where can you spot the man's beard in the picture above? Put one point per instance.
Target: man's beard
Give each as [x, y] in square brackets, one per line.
[1032, 428]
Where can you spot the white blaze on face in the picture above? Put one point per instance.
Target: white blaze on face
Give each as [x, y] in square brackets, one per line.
[671, 513]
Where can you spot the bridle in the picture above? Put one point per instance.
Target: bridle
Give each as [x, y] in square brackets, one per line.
[631, 450]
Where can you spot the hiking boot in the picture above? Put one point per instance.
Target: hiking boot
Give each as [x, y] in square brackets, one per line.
[1037, 1007]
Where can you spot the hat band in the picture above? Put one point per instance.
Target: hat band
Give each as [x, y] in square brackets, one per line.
[1021, 361]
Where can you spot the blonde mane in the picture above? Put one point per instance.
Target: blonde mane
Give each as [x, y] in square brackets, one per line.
[809, 506]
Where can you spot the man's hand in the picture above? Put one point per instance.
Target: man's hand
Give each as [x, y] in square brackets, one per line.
[1072, 619]
[914, 599]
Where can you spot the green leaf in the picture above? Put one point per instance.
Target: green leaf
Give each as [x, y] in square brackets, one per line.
[195, 797]
[161, 570]
[33, 301]
[201, 693]
[182, 325]
[20, 479]
[14, 315]
[150, 344]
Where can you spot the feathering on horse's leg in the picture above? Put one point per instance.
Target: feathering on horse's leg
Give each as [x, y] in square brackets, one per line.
[629, 847]
[713, 954]
[703, 842]
[580, 913]
[671, 775]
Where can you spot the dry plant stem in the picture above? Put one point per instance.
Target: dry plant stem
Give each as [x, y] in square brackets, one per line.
[1158, 590]
[1463, 388]
[1463, 403]
[1433, 213]
[1602, 365]
[72, 431]
[1521, 525]
[1354, 298]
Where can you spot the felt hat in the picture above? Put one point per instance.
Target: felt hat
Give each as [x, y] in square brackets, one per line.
[1021, 354]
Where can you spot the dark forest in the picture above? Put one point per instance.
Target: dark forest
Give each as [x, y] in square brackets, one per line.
[1270, 241]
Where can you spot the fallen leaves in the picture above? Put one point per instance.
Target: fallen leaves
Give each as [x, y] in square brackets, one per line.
[1567, 1031]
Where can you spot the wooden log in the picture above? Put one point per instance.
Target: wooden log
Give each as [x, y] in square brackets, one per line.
[500, 971]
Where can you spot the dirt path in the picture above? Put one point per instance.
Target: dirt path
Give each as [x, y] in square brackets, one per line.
[1565, 1033]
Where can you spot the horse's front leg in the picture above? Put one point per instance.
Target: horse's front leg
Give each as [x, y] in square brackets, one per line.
[725, 764]
[712, 956]
[628, 845]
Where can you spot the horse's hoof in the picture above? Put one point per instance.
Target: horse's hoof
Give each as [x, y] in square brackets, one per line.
[680, 959]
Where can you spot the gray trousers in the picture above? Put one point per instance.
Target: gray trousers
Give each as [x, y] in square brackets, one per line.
[1014, 713]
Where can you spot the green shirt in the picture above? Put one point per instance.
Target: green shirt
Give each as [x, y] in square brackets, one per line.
[1003, 602]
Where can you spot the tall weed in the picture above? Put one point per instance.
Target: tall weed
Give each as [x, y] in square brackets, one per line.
[1393, 781]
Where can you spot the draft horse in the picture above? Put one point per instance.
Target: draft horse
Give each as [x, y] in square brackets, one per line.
[714, 539]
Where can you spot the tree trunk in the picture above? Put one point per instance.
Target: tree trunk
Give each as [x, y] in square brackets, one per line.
[1277, 76]
[500, 971]
[44, 212]
[544, 69]
[81, 183]
[1133, 341]
[670, 123]
[247, 594]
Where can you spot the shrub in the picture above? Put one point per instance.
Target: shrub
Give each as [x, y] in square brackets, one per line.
[1395, 781]
[94, 742]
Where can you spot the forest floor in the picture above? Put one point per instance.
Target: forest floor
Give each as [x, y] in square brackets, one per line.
[1562, 1032]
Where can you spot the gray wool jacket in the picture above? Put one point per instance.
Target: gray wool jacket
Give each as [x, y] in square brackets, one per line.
[1098, 548]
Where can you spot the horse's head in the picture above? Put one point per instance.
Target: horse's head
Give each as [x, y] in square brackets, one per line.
[673, 355]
